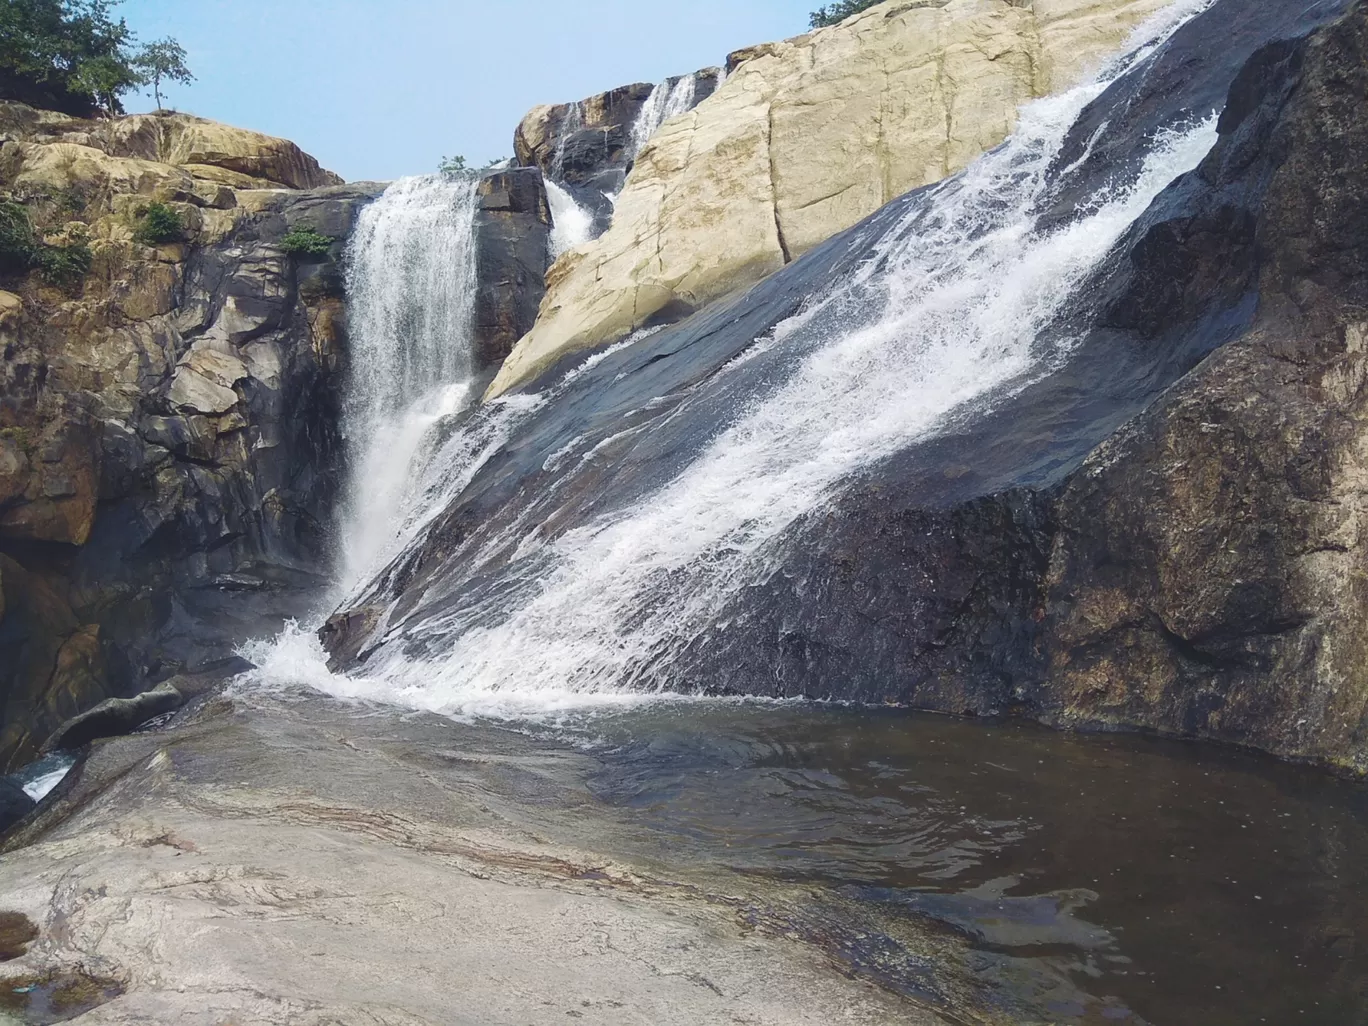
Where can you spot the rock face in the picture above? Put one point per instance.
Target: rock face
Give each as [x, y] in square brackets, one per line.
[806, 138]
[114, 716]
[205, 150]
[1206, 576]
[1162, 533]
[15, 804]
[512, 239]
[169, 442]
[587, 146]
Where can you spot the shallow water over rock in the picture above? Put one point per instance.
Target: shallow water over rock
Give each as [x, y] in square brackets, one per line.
[1174, 883]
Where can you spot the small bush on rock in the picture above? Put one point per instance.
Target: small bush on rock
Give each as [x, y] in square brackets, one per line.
[158, 226]
[834, 14]
[306, 242]
[17, 244]
[64, 267]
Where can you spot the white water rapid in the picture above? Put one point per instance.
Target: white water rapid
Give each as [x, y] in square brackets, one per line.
[967, 283]
[411, 280]
[666, 101]
[571, 224]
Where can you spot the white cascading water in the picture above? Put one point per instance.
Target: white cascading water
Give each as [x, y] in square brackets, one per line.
[967, 284]
[411, 283]
[666, 101]
[571, 224]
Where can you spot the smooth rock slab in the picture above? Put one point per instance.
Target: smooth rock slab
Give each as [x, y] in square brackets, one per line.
[296, 863]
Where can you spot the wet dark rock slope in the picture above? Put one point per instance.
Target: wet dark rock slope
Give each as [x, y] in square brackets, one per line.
[1162, 534]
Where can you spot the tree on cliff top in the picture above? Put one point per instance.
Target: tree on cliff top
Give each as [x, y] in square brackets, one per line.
[164, 59]
[75, 57]
[834, 14]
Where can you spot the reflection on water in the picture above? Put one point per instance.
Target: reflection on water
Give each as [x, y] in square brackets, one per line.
[1186, 884]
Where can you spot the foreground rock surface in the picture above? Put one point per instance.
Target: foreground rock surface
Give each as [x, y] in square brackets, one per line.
[300, 862]
[806, 138]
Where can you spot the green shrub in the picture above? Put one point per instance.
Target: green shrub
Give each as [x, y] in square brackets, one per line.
[159, 225]
[64, 267]
[454, 166]
[306, 242]
[834, 14]
[17, 244]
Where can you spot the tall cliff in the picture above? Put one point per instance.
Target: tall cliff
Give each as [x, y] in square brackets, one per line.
[806, 138]
[168, 418]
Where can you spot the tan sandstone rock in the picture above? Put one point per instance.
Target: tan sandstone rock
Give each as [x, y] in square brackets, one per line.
[806, 138]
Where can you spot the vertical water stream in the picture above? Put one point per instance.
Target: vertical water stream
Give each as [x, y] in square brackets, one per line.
[667, 100]
[411, 281]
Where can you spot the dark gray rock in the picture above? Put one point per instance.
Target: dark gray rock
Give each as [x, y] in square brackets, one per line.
[587, 146]
[15, 803]
[512, 240]
[114, 717]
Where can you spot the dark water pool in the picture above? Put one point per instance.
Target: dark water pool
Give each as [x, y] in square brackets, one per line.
[1181, 884]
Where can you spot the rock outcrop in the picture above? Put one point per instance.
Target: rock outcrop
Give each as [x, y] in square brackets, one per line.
[169, 444]
[806, 138]
[114, 716]
[588, 146]
[205, 151]
[512, 240]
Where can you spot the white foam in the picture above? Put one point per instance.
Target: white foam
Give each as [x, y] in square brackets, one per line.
[571, 224]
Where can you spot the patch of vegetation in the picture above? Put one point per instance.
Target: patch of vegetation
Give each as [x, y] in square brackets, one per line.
[17, 242]
[71, 200]
[64, 267]
[24, 439]
[459, 167]
[75, 57]
[306, 242]
[834, 14]
[159, 225]
[454, 166]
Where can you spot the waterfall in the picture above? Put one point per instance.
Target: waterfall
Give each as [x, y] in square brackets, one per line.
[411, 283]
[571, 224]
[572, 123]
[667, 100]
[960, 292]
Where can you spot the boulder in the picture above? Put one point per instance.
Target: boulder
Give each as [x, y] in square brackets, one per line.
[805, 139]
[113, 717]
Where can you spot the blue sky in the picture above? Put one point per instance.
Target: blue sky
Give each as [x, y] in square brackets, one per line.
[376, 89]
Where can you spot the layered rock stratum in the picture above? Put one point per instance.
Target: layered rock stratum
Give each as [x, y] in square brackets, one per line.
[806, 138]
